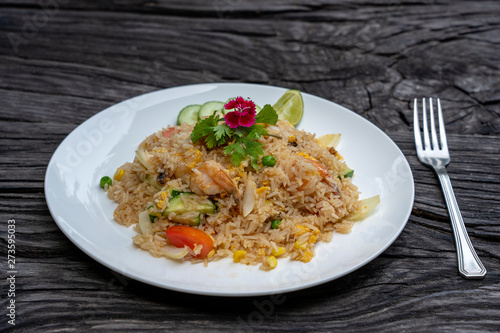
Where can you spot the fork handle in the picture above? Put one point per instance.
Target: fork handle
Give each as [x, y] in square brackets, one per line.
[469, 265]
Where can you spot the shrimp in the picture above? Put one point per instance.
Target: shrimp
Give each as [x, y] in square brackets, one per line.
[182, 170]
[309, 181]
[325, 175]
[210, 178]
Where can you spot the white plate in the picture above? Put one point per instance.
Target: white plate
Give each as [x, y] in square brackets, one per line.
[97, 147]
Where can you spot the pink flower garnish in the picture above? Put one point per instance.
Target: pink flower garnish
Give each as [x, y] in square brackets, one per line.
[243, 114]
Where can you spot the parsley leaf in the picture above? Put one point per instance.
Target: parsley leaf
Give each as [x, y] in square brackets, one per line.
[204, 127]
[256, 132]
[222, 131]
[267, 115]
[211, 141]
[237, 152]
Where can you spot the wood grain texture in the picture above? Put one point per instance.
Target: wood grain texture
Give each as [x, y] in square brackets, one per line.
[59, 65]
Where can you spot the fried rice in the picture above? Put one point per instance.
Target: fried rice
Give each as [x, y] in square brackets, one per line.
[305, 190]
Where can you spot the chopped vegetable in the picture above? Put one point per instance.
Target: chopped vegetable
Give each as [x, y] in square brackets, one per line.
[275, 224]
[145, 223]
[143, 157]
[106, 181]
[268, 160]
[175, 193]
[151, 181]
[346, 173]
[249, 197]
[173, 252]
[189, 202]
[365, 206]
[181, 236]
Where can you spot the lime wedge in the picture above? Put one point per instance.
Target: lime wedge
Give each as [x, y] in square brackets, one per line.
[290, 107]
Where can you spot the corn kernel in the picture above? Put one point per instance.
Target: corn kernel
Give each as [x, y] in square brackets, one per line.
[271, 262]
[119, 174]
[307, 256]
[300, 246]
[211, 253]
[278, 252]
[238, 255]
[292, 138]
[265, 182]
[262, 189]
[313, 239]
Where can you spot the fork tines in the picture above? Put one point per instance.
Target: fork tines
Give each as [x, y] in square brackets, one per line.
[428, 144]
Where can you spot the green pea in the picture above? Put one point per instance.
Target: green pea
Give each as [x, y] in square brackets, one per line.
[268, 160]
[275, 224]
[106, 180]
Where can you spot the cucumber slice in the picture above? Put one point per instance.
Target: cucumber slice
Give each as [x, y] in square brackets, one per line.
[346, 173]
[189, 115]
[152, 181]
[191, 218]
[209, 108]
[188, 202]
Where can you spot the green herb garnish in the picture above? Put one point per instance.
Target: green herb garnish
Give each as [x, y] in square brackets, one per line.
[241, 141]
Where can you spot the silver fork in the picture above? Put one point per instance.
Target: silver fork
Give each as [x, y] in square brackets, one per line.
[435, 155]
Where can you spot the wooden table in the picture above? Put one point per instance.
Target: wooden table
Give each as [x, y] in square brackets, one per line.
[64, 61]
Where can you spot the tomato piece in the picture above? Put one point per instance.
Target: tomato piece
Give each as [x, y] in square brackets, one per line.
[181, 236]
[168, 133]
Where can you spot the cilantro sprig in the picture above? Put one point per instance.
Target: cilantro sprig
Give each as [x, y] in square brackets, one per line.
[241, 142]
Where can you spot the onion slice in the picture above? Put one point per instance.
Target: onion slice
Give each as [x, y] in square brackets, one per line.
[143, 157]
[145, 223]
[248, 202]
[173, 252]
